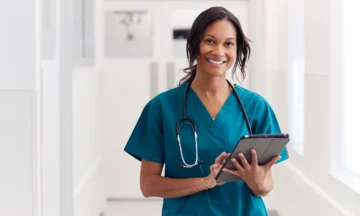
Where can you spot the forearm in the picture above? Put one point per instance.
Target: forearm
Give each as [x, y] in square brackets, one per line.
[261, 192]
[159, 186]
[263, 189]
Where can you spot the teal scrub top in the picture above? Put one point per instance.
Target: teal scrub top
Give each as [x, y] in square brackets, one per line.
[154, 139]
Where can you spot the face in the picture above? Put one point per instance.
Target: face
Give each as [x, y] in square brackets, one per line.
[217, 48]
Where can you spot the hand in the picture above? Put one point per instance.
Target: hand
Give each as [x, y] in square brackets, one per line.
[210, 180]
[253, 174]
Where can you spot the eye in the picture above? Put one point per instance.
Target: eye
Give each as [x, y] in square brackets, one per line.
[230, 44]
[209, 41]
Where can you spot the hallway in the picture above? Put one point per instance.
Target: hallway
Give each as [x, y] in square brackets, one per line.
[77, 74]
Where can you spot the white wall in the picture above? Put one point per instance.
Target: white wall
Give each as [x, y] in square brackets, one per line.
[88, 145]
[15, 22]
[17, 110]
[88, 150]
[40, 174]
[55, 111]
[16, 156]
[303, 184]
[80, 91]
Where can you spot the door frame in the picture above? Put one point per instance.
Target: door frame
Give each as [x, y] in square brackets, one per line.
[52, 161]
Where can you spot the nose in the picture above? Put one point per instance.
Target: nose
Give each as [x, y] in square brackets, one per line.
[218, 51]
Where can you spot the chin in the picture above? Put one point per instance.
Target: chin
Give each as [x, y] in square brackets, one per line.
[216, 71]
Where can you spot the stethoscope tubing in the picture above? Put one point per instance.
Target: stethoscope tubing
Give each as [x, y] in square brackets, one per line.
[193, 125]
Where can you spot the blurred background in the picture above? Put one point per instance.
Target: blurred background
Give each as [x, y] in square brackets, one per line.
[75, 75]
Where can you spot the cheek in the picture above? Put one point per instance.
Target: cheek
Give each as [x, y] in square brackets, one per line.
[203, 50]
[232, 57]
[202, 55]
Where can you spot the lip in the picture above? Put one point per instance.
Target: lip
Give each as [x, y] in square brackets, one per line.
[207, 59]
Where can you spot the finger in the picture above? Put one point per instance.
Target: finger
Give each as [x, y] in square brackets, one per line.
[237, 165]
[213, 167]
[219, 158]
[254, 159]
[271, 162]
[223, 158]
[225, 155]
[223, 161]
[231, 172]
[243, 161]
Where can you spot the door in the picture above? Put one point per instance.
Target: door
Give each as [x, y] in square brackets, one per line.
[54, 106]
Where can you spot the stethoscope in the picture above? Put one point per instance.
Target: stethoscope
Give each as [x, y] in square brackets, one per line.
[193, 125]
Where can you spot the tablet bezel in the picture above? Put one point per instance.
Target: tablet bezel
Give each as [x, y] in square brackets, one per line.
[284, 136]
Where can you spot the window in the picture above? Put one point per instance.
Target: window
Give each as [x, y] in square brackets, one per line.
[344, 84]
[296, 71]
[83, 34]
[48, 29]
[351, 87]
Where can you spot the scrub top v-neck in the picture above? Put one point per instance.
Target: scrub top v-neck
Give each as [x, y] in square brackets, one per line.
[154, 139]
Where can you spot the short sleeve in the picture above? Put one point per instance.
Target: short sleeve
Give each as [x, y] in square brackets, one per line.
[146, 140]
[265, 122]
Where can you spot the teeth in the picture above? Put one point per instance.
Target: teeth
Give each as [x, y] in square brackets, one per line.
[215, 62]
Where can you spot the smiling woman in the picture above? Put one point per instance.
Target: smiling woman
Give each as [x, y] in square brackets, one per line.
[217, 36]
[191, 128]
[217, 50]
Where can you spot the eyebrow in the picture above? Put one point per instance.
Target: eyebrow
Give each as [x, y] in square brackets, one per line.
[215, 37]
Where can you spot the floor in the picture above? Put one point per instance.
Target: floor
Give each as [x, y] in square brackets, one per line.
[140, 208]
[134, 208]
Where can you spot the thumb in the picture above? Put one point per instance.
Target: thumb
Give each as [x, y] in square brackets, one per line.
[213, 169]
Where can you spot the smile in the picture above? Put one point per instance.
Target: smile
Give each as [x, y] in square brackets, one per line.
[215, 62]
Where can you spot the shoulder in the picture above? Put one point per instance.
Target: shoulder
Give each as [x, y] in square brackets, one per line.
[260, 112]
[172, 93]
[251, 99]
[166, 98]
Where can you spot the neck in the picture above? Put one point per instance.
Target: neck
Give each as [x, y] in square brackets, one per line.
[210, 86]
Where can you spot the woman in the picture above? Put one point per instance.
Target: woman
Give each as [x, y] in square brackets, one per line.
[217, 43]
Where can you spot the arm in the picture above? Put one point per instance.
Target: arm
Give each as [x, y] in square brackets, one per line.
[152, 184]
[263, 190]
[265, 122]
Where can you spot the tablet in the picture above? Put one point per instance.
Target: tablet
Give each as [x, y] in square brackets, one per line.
[267, 146]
